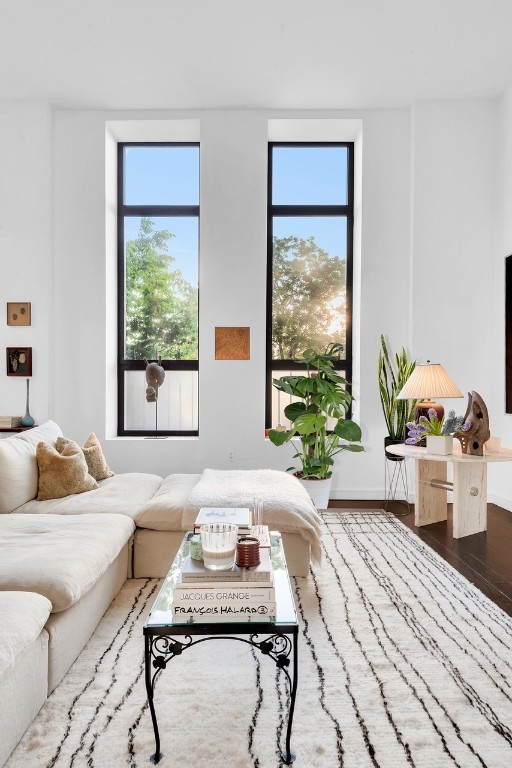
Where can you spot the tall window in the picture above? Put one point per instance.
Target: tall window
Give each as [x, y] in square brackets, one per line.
[309, 290]
[158, 266]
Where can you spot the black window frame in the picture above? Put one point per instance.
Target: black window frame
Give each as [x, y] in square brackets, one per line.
[342, 211]
[123, 364]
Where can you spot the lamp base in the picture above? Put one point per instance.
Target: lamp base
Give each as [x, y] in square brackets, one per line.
[424, 406]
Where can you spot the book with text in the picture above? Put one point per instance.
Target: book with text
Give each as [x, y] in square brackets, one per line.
[224, 612]
[240, 516]
[195, 572]
[212, 596]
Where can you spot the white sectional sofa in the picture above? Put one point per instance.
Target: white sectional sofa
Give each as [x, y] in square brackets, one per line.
[23, 664]
[63, 560]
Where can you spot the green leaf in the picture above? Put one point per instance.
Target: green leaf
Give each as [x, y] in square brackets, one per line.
[307, 423]
[293, 410]
[279, 438]
[348, 430]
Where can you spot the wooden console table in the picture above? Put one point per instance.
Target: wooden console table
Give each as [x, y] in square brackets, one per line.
[469, 486]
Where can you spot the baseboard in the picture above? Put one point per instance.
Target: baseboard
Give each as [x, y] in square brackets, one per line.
[500, 501]
[358, 495]
[378, 496]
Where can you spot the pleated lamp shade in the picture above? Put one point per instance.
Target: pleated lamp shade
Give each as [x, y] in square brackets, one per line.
[428, 381]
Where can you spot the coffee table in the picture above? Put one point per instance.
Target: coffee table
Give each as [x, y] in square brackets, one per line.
[167, 638]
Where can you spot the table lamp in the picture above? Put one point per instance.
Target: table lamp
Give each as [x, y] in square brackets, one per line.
[425, 383]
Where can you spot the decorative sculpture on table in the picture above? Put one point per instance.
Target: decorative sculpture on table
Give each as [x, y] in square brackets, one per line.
[155, 376]
[476, 426]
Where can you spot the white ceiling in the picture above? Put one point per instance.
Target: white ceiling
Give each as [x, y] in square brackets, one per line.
[289, 54]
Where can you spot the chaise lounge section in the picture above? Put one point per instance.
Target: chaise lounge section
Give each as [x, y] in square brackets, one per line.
[23, 664]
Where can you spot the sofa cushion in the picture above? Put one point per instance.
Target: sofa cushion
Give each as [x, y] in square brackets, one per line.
[96, 462]
[18, 473]
[60, 557]
[44, 433]
[62, 473]
[22, 617]
[122, 494]
[18, 465]
[164, 512]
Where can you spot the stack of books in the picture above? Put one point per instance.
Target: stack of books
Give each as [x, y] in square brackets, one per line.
[8, 422]
[240, 594]
[240, 516]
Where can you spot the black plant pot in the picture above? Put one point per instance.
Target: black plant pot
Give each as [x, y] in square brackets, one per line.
[392, 441]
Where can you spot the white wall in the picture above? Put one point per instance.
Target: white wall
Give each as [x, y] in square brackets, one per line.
[453, 171]
[426, 202]
[500, 476]
[453, 194]
[26, 249]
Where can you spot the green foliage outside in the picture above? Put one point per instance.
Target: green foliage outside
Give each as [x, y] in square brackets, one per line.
[161, 306]
[307, 286]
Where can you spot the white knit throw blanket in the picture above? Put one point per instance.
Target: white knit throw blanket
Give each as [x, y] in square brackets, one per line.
[288, 506]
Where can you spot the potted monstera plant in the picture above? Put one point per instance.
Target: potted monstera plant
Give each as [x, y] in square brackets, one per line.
[317, 417]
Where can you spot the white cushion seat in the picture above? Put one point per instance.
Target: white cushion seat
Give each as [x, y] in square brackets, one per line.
[122, 494]
[59, 556]
[23, 664]
[164, 511]
[22, 617]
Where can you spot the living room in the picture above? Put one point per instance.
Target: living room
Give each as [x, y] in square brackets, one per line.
[426, 97]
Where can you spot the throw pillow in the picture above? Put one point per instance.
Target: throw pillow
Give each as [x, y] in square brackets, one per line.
[95, 459]
[62, 472]
[96, 462]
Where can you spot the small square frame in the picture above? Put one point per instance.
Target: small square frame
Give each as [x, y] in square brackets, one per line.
[15, 367]
[232, 343]
[19, 313]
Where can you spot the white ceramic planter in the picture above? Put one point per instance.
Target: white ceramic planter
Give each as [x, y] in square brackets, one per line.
[319, 490]
[440, 444]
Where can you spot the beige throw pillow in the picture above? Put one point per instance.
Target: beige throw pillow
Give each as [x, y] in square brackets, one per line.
[62, 471]
[95, 459]
[96, 462]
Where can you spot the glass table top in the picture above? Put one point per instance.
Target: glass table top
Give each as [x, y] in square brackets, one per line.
[161, 614]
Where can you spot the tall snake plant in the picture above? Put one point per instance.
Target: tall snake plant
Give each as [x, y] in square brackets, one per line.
[391, 380]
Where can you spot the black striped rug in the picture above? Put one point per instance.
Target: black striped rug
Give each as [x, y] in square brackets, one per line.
[402, 663]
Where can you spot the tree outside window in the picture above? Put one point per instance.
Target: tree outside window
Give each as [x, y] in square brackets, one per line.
[158, 263]
[310, 220]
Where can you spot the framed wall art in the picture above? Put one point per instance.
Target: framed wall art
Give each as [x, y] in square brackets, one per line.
[232, 343]
[19, 313]
[19, 361]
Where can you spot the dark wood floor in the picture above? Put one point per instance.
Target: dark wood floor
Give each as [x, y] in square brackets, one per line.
[485, 559]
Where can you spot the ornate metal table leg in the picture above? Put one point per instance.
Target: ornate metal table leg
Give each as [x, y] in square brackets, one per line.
[150, 690]
[289, 757]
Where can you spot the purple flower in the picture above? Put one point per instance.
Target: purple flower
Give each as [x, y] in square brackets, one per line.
[432, 414]
[410, 440]
[423, 420]
[466, 426]
[410, 425]
[422, 429]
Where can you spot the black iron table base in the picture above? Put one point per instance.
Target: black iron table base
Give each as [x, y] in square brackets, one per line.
[279, 645]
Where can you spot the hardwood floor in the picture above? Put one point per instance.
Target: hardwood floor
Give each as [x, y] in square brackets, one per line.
[485, 559]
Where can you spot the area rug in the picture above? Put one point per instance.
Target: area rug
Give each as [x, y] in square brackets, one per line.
[402, 662]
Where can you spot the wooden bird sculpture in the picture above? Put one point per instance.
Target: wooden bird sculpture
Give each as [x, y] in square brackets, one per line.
[476, 426]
